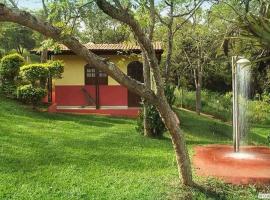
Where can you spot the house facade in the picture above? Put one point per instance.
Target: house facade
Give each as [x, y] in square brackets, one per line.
[84, 89]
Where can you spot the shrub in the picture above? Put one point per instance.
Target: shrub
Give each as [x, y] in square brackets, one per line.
[34, 73]
[56, 69]
[10, 66]
[258, 111]
[9, 70]
[156, 124]
[30, 95]
[40, 72]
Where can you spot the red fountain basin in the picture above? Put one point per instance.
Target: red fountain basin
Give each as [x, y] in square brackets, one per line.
[249, 166]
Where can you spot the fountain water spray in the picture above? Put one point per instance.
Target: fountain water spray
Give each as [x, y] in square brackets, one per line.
[241, 77]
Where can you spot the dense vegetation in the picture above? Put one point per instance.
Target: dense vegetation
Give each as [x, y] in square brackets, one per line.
[48, 156]
[220, 105]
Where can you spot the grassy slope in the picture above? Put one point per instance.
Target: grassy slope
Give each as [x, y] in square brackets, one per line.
[54, 156]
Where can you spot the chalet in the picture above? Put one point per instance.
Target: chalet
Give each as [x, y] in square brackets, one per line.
[83, 89]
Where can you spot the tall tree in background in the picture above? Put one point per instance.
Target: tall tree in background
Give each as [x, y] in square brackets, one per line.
[179, 12]
[122, 13]
[16, 37]
[100, 28]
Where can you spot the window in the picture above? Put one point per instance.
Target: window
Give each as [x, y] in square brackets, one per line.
[91, 75]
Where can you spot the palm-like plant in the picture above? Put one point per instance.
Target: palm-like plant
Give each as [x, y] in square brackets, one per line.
[258, 25]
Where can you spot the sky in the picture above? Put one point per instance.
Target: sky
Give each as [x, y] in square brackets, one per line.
[37, 4]
[30, 4]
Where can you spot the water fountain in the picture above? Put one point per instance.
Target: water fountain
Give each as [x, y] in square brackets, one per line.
[241, 76]
[238, 164]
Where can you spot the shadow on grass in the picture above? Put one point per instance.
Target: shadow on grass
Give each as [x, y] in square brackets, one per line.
[209, 192]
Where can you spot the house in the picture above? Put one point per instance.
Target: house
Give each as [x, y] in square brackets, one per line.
[83, 89]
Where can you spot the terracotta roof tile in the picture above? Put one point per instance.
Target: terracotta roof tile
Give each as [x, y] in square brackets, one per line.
[117, 47]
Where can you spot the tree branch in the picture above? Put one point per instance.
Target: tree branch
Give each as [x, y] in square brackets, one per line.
[143, 41]
[196, 6]
[13, 4]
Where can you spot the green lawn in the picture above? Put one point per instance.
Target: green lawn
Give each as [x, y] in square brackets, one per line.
[57, 156]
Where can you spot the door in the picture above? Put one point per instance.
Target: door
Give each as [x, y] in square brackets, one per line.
[135, 71]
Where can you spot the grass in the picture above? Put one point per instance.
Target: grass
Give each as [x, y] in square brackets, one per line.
[57, 156]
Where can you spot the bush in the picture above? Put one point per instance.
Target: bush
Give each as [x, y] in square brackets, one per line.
[258, 111]
[30, 95]
[10, 66]
[156, 124]
[34, 73]
[56, 69]
[9, 71]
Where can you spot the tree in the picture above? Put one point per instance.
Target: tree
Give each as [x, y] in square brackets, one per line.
[179, 12]
[247, 34]
[16, 37]
[197, 53]
[122, 13]
[100, 28]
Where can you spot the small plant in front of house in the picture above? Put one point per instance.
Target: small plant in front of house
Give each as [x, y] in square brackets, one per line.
[36, 74]
[30, 94]
[35, 77]
[156, 124]
[9, 71]
[55, 68]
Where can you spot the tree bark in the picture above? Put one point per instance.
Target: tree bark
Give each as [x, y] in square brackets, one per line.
[199, 94]
[169, 43]
[178, 140]
[158, 99]
[169, 53]
[146, 75]
[44, 56]
[148, 132]
[199, 84]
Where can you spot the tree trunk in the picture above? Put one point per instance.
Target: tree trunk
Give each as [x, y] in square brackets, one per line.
[147, 83]
[199, 85]
[169, 45]
[44, 56]
[198, 99]
[182, 157]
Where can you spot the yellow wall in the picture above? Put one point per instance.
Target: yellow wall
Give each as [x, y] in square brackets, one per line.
[74, 68]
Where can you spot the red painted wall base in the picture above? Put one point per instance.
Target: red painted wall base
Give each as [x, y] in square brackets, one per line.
[129, 112]
[109, 95]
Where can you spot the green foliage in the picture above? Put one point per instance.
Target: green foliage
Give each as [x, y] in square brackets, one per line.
[50, 44]
[40, 72]
[259, 111]
[8, 89]
[35, 72]
[30, 94]
[16, 37]
[156, 124]
[9, 70]
[213, 103]
[10, 66]
[56, 69]
[220, 105]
